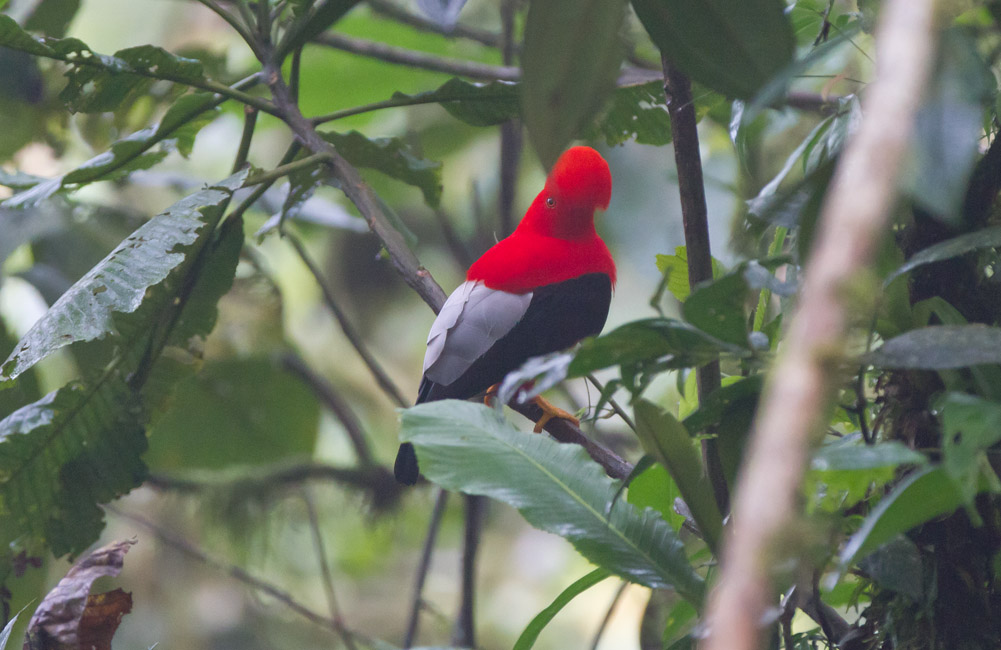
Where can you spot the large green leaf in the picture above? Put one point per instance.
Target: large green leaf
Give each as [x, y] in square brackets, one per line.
[558, 488]
[119, 284]
[669, 442]
[675, 267]
[393, 157]
[971, 425]
[940, 347]
[717, 308]
[733, 46]
[843, 472]
[141, 150]
[569, 62]
[81, 445]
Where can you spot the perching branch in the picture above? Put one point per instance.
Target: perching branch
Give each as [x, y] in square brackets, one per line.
[801, 385]
[694, 214]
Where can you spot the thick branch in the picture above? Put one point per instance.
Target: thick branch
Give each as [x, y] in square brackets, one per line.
[854, 216]
[694, 214]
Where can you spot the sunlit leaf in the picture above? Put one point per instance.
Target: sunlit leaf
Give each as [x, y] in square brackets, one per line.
[542, 619]
[940, 347]
[567, 41]
[732, 46]
[676, 268]
[558, 488]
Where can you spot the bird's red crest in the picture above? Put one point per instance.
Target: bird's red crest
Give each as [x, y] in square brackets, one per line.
[582, 177]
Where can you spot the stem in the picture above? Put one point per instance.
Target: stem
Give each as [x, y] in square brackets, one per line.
[288, 168]
[765, 296]
[688, 161]
[249, 124]
[415, 59]
[464, 634]
[441, 498]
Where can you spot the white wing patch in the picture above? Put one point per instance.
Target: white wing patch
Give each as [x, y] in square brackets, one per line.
[472, 319]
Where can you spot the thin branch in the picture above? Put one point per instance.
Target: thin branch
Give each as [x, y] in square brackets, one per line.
[608, 615]
[854, 216]
[611, 402]
[286, 169]
[440, 499]
[464, 633]
[681, 107]
[237, 26]
[325, 573]
[359, 193]
[333, 400]
[249, 124]
[349, 330]
[416, 59]
[378, 481]
[401, 15]
[235, 572]
[510, 132]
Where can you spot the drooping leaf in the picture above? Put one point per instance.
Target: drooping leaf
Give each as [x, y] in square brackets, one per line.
[119, 284]
[940, 347]
[392, 157]
[531, 633]
[732, 46]
[69, 616]
[558, 488]
[925, 494]
[314, 19]
[52, 17]
[567, 41]
[986, 238]
[141, 150]
[476, 104]
[669, 442]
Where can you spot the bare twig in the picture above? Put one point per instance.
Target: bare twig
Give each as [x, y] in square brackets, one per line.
[349, 330]
[510, 131]
[375, 479]
[333, 400]
[688, 161]
[854, 216]
[325, 573]
[608, 614]
[416, 59]
[401, 15]
[452, 239]
[440, 499]
[464, 634]
[235, 572]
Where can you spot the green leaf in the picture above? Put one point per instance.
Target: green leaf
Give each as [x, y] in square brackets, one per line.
[758, 40]
[314, 21]
[676, 268]
[669, 442]
[717, 308]
[476, 104]
[896, 566]
[636, 112]
[654, 488]
[393, 157]
[721, 401]
[843, 472]
[672, 342]
[119, 284]
[567, 41]
[971, 425]
[923, 495]
[141, 150]
[557, 488]
[59, 457]
[986, 238]
[228, 414]
[51, 17]
[940, 347]
[535, 627]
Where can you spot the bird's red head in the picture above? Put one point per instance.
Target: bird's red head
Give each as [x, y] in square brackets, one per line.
[581, 178]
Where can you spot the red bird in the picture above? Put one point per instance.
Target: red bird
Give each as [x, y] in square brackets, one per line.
[540, 290]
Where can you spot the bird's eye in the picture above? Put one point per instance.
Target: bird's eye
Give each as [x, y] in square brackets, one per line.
[551, 202]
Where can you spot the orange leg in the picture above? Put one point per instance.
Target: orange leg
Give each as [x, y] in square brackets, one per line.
[549, 412]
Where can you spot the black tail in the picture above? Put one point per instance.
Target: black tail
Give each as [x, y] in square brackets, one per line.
[405, 469]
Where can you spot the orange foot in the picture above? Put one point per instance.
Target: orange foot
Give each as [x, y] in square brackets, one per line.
[549, 412]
